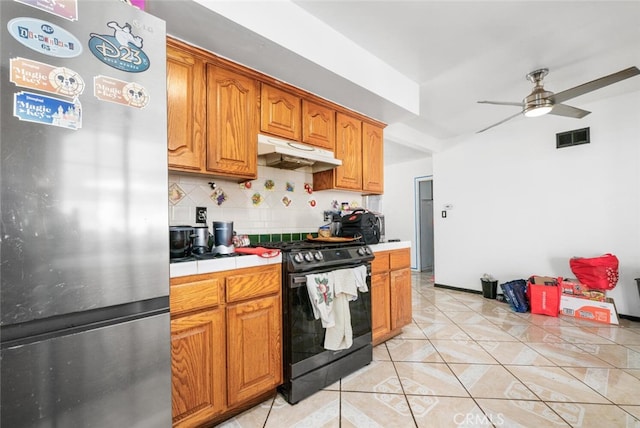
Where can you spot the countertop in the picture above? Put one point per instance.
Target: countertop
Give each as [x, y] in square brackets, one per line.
[219, 264]
[238, 262]
[386, 246]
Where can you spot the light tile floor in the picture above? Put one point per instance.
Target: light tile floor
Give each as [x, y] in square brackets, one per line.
[471, 361]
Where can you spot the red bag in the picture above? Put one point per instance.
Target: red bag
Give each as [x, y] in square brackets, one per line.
[598, 273]
[544, 295]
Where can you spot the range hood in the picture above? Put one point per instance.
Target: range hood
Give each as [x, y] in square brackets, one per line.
[286, 154]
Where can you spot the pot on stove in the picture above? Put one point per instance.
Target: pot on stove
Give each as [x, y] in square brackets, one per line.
[180, 241]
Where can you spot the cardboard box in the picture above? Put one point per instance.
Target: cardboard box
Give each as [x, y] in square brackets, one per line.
[543, 280]
[604, 312]
[574, 288]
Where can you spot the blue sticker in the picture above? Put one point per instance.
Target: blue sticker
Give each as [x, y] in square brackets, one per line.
[44, 37]
[37, 108]
[122, 51]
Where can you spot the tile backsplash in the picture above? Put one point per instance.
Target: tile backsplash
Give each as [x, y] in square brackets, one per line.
[278, 201]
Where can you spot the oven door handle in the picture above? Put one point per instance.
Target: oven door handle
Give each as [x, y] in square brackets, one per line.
[301, 280]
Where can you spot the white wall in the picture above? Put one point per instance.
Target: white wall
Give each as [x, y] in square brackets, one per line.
[399, 200]
[522, 207]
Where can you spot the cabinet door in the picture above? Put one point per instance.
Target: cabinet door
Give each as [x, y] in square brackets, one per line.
[280, 113]
[254, 348]
[372, 159]
[349, 150]
[400, 298]
[380, 306]
[232, 102]
[318, 125]
[197, 367]
[186, 98]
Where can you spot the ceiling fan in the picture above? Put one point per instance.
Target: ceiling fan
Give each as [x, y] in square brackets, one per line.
[541, 101]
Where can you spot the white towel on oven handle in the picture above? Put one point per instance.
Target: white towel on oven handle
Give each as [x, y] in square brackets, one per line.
[350, 281]
[346, 284]
[340, 336]
[321, 292]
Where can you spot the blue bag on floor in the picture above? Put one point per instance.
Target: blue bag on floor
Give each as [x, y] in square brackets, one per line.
[516, 294]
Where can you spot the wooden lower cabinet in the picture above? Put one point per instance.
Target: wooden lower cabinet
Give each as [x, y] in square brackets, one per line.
[390, 293]
[380, 313]
[400, 291]
[197, 367]
[254, 348]
[226, 342]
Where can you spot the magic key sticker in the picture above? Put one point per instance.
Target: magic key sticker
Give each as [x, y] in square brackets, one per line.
[45, 77]
[45, 110]
[120, 92]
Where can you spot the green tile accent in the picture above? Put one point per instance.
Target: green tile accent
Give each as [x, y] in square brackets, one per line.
[265, 238]
[276, 237]
[296, 236]
[254, 239]
[286, 237]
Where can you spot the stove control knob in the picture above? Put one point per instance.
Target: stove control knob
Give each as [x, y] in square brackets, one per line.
[362, 251]
[318, 256]
[297, 257]
[308, 257]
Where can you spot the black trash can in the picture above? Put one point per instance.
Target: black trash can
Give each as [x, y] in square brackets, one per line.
[489, 288]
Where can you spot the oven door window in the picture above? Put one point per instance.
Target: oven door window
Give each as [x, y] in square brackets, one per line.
[307, 333]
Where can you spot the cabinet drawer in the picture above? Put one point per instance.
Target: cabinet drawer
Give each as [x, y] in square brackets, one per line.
[380, 263]
[400, 259]
[254, 282]
[187, 295]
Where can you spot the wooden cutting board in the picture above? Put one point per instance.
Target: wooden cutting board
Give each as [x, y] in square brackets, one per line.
[330, 238]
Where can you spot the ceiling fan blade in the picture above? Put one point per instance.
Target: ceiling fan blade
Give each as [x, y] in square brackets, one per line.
[568, 111]
[499, 123]
[594, 84]
[501, 103]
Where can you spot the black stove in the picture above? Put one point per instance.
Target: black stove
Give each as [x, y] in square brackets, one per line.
[308, 366]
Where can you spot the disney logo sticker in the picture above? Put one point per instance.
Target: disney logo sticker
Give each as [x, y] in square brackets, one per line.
[45, 77]
[120, 92]
[46, 110]
[67, 9]
[44, 37]
[122, 50]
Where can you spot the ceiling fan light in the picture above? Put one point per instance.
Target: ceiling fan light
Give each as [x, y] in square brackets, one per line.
[536, 111]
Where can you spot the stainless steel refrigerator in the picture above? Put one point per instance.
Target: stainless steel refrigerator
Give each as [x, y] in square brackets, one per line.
[85, 333]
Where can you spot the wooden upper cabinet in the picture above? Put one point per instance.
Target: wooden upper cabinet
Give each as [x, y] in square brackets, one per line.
[318, 125]
[186, 98]
[349, 150]
[372, 159]
[232, 104]
[280, 113]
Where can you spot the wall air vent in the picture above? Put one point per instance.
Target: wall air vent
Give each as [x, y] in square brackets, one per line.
[572, 138]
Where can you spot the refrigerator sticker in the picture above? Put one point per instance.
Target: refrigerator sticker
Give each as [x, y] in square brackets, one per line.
[44, 77]
[122, 51]
[47, 110]
[44, 37]
[120, 92]
[67, 9]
